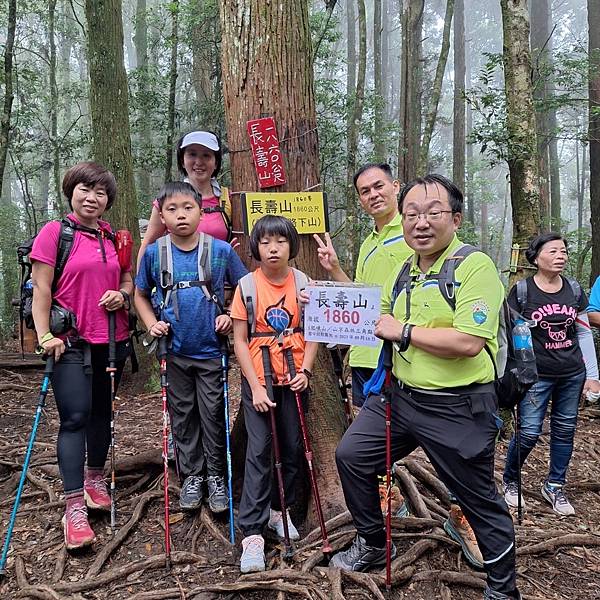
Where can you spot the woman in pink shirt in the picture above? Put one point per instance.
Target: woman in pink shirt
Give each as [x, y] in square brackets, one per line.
[199, 158]
[91, 285]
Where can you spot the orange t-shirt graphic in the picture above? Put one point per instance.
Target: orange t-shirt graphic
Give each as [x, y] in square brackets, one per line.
[276, 309]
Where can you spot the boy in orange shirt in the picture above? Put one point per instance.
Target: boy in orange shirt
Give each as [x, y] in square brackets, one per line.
[277, 324]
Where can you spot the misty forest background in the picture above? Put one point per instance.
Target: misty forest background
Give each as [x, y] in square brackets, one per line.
[500, 96]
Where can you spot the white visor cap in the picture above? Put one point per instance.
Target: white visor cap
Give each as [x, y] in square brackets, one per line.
[204, 138]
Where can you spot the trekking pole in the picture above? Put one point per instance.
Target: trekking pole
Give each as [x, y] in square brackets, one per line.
[111, 369]
[36, 421]
[161, 354]
[517, 417]
[338, 369]
[308, 454]
[387, 394]
[266, 360]
[225, 369]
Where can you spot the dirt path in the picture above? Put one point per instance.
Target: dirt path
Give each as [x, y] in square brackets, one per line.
[131, 564]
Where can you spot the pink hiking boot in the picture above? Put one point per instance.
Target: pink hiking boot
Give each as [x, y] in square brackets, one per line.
[95, 490]
[78, 532]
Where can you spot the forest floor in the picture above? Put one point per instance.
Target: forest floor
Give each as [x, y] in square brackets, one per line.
[558, 558]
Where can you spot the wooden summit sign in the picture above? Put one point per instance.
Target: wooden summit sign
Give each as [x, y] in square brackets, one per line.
[268, 161]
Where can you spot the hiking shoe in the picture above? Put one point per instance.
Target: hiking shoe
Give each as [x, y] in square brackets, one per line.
[276, 524]
[218, 500]
[253, 554]
[556, 497]
[78, 532]
[511, 495]
[190, 497]
[458, 528]
[360, 557]
[489, 594]
[399, 506]
[96, 492]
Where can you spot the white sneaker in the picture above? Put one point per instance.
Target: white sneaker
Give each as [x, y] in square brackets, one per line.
[555, 496]
[253, 554]
[276, 524]
[511, 495]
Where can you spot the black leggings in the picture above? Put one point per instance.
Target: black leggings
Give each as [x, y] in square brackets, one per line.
[83, 401]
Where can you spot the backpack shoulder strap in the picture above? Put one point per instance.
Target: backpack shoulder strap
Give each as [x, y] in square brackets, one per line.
[66, 238]
[522, 295]
[165, 268]
[205, 249]
[247, 286]
[446, 279]
[575, 288]
[403, 281]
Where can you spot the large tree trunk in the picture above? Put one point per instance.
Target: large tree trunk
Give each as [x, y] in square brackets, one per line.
[436, 92]
[410, 98]
[8, 86]
[470, 163]
[522, 152]
[458, 127]
[273, 75]
[56, 179]
[109, 106]
[354, 119]
[594, 130]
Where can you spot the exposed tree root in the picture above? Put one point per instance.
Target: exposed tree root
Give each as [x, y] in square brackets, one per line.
[59, 567]
[410, 489]
[122, 534]
[43, 592]
[412, 554]
[332, 524]
[40, 483]
[436, 510]
[168, 594]
[571, 539]
[313, 560]
[249, 586]
[335, 579]
[207, 520]
[428, 479]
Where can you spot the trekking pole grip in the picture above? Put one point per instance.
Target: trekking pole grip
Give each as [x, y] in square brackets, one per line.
[161, 351]
[49, 366]
[289, 357]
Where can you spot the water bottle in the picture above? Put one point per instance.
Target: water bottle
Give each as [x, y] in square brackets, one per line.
[522, 342]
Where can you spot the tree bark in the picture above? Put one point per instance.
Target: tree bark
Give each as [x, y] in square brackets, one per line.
[109, 107]
[436, 93]
[522, 151]
[354, 119]
[470, 163]
[273, 75]
[56, 179]
[379, 96]
[410, 98]
[540, 41]
[174, 41]
[8, 86]
[594, 130]
[458, 126]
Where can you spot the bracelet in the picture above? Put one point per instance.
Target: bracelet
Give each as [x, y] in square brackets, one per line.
[126, 298]
[404, 341]
[307, 373]
[46, 338]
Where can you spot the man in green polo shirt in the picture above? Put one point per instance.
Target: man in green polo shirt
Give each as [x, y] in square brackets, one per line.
[443, 397]
[381, 252]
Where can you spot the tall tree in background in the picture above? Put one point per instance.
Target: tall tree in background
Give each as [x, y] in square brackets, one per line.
[594, 130]
[8, 87]
[410, 90]
[273, 75]
[378, 133]
[355, 111]
[436, 92]
[541, 49]
[174, 43]
[520, 121]
[458, 100]
[109, 106]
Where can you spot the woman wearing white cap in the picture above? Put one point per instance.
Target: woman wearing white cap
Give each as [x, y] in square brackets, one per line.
[199, 159]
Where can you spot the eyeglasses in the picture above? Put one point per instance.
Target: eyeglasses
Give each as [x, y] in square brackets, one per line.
[430, 215]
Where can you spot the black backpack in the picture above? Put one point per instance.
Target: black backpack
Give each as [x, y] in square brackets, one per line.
[513, 377]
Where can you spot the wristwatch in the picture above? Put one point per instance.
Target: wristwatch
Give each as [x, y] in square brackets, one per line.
[307, 373]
